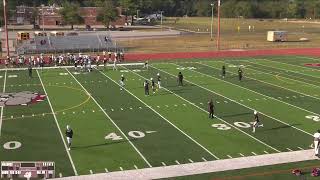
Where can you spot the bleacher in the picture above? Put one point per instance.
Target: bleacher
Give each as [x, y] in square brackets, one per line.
[84, 42]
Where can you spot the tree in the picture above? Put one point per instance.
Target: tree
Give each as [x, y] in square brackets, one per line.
[70, 13]
[107, 13]
[34, 16]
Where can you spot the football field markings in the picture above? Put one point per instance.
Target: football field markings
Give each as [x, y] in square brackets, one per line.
[162, 116]
[106, 170]
[289, 149]
[121, 168]
[3, 91]
[230, 157]
[177, 162]
[271, 84]
[91, 172]
[190, 160]
[300, 148]
[58, 126]
[241, 154]
[266, 152]
[135, 166]
[216, 116]
[254, 153]
[248, 106]
[136, 149]
[163, 164]
[271, 73]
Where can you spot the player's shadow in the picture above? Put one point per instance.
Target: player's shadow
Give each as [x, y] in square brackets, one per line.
[282, 127]
[102, 144]
[235, 115]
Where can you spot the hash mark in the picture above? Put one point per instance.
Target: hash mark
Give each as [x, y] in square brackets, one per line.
[163, 164]
[130, 108]
[266, 152]
[229, 156]
[254, 153]
[91, 172]
[60, 175]
[241, 154]
[112, 110]
[121, 109]
[177, 162]
[203, 159]
[136, 167]
[93, 111]
[106, 170]
[289, 149]
[190, 160]
[121, 168]
[158, 106]
[300, 148]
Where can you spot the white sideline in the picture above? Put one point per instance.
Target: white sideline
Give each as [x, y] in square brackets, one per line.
[63, 67]
[202, 167]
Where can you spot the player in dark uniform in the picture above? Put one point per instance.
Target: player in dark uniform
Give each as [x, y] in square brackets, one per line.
[30, 70]
[122, 82]
[69, 135]
[211, 109]
[180, 79]
[223, 71]
[240, 74]
[256, 122]
[146, 88]
[153, 86]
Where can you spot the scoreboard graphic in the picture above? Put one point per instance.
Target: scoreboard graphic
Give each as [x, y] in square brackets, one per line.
[27, 169]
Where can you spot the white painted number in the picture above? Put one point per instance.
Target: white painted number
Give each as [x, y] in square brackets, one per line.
[226, 127]
[312, 117]
[242, 124]
[12, 145]
[113, 137]
[221, 126]
[136, 134]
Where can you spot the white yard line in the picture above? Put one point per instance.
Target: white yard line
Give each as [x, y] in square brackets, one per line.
[280, 73]
[203, 167]
[268, 82]
[248, 106]
[2, 107]
[56, 120]
[164, 118]
[124, 135]
[215, 116]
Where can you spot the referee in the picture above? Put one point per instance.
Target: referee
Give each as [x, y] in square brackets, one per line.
[69, 134]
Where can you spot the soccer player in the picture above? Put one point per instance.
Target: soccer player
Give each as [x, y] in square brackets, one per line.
[159, 80]
[240, 73]
[146, 88]
[180, 79]
[122, 82]
[211, 109]
[256, 122]
[30, 70]
[316, 142]
[69, 135]
[109, 55]
[153, 85]
[223, 71]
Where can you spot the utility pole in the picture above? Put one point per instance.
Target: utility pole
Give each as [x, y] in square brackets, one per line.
[218, 32]
[6, 26]
[161, 12]
[211, 34]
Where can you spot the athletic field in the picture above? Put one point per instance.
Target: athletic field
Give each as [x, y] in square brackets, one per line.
[118, 130]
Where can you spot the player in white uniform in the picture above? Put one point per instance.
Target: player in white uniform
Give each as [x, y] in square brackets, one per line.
[316, 137]
[159, 80]
[115, 64]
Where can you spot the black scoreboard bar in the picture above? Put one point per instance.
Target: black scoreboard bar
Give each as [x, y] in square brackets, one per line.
[27, 169]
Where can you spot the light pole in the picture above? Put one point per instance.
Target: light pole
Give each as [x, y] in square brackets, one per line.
[42, 17]
[218, 32]
[6, 26]
[211, 34]
[161, 12]
[138, 14]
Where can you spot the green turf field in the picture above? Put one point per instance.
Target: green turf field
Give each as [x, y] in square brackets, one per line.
[118, 130]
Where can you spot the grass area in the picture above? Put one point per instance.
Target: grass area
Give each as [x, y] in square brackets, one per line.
[282, 171]
[124, 129]
[230, 37]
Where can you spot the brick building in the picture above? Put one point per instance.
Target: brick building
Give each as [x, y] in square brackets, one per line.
[49, 16]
